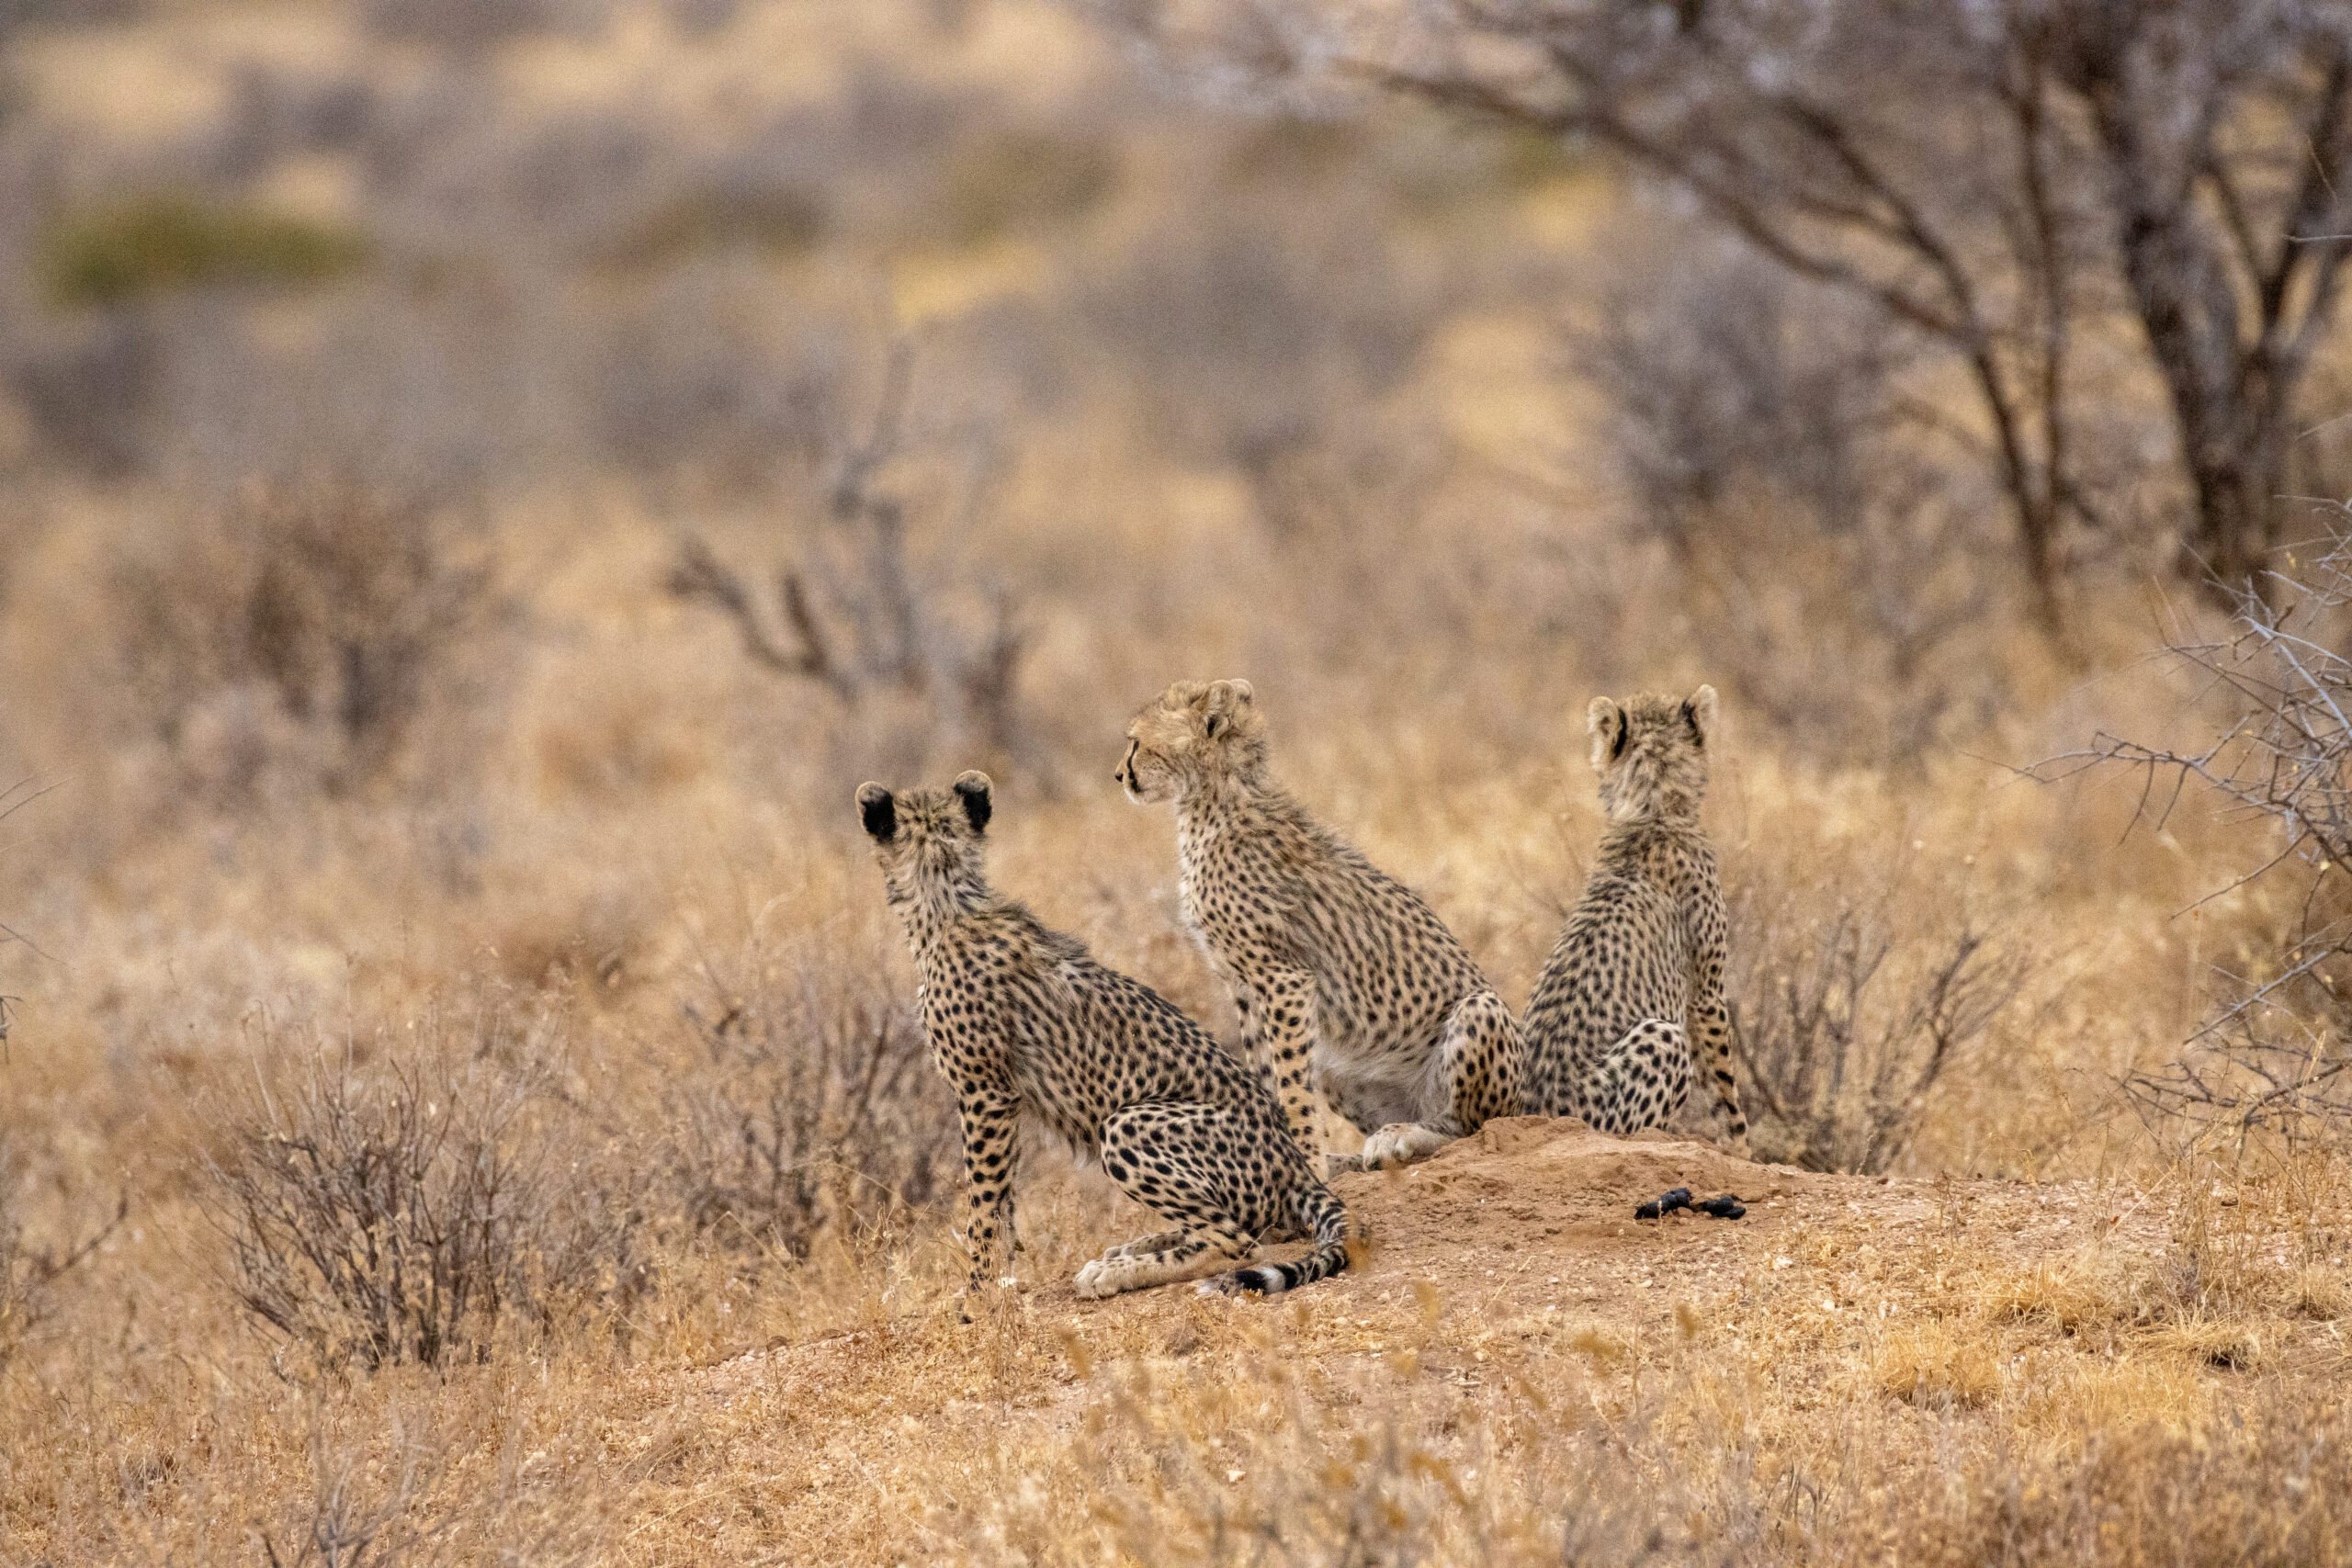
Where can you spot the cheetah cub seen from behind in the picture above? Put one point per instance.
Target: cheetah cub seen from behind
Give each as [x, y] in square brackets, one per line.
[1638, 970]
[1021, 1019]
[1330, 961]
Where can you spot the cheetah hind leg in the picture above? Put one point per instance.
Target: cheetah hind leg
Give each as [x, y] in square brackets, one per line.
[1157, 1155]
[1477, 1072]
[1643, 1080]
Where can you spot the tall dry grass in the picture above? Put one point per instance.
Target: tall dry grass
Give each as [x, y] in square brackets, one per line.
[454, 1013]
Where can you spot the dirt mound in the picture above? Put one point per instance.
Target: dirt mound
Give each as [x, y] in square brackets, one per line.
[1556, 1179]
[1510, 1261]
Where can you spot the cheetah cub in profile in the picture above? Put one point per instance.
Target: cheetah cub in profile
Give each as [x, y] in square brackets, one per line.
[1330, 961]
[1639, 968]
[1021, 1019]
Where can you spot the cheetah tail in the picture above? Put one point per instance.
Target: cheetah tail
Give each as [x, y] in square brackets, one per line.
[1320, 1213]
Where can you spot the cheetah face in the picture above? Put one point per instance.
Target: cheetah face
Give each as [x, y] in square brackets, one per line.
[927, 839]
[1651, 753]
[1191, 734]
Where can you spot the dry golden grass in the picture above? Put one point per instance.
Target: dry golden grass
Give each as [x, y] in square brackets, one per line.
[613, 871]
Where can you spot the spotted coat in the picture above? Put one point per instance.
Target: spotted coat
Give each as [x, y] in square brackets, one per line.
[1022, 1020]
[1634, 989]
[1333, 964]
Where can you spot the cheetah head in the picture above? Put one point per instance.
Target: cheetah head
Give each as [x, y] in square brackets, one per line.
[1192, 734]
[1651, 753]
[927, 841]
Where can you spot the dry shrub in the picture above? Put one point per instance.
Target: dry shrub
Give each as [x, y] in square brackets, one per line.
[870, 605]
[414, 1206]
[813, 1106]
[299, 635]
[1850, 1005]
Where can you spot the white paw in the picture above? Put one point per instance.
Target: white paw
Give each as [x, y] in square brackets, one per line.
[1400, 1142]
[1096, 1280]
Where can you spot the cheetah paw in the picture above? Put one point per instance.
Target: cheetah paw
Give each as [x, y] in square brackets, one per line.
[1097, 1280]
[1401, 1143]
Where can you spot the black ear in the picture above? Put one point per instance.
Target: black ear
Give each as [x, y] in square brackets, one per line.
[974, 789]
[879, 812]
[1216, 722]
[1625, 733]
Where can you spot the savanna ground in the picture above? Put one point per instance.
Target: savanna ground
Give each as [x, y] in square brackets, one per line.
[487, 481]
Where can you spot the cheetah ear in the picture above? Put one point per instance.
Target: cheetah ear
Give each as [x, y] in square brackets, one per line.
[1224, 702]
[1698, 707]
[879, 811]
[1606, 720]
[972, 789]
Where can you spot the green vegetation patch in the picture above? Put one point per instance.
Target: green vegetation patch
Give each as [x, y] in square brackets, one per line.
[779, 222]
[154, 244]
[1018, 181]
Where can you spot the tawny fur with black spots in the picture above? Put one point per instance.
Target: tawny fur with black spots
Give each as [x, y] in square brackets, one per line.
[1021, 1019]
[1632, 997]
[1332, 963]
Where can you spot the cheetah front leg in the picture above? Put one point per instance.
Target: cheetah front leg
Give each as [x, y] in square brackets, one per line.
[992, 1149]
[1277, 1007]
[1477, 1072]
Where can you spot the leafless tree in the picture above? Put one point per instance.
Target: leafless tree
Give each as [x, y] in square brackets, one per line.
[2275, 1054]
[1988, 178]
[867, 626]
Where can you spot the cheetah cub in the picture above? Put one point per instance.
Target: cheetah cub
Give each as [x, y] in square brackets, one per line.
[1639, 968]
[1330, 962]
[1021, 1019]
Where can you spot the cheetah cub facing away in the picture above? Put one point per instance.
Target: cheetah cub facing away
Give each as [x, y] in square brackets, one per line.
[1639, 968]
[1324, 954]
[1021, 1019]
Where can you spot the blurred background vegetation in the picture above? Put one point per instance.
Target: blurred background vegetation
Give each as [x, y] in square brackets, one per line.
[486, 479]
